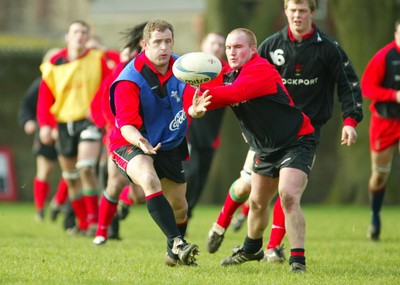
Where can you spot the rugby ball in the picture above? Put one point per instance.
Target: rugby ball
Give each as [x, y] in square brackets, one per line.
[196, 67]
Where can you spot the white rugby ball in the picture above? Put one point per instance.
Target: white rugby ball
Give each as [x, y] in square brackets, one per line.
[196, 67]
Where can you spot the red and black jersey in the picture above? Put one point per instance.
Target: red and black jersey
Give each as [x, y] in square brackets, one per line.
[310, 71]
[266, 113]
[381, 81]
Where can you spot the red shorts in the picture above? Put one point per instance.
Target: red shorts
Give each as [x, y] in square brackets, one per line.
[383, 133]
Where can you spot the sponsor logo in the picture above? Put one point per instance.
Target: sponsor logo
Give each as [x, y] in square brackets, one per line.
[197, 81]
[179, 119]
[300, 81]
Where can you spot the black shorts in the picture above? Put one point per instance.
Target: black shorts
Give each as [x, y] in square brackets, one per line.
[167, 164]
[38, 148]
[300, 155]
[71, 134]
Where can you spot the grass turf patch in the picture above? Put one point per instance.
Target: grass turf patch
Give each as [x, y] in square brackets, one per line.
[337, 251]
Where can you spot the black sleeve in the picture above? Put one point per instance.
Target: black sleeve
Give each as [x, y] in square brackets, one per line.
[348, 84]
[27, 110]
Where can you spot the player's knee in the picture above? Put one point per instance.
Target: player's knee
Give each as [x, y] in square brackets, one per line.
[86, 167]
[91, 133]
[380, 175]
[71, 175]
[288, 201]
[150, 183]
[256, 206]
[243, 186]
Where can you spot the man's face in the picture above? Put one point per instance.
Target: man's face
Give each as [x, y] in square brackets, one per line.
[214, 44]
[238, 50]
[158, 48]
[77, 36]
[397, 36]
[299, 17]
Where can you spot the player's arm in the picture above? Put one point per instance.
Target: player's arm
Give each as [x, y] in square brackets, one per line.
[349, 93]
[371, 82]
[251, 83]
[27, 111]
[45, 118]
[348, 85]
[127, 116]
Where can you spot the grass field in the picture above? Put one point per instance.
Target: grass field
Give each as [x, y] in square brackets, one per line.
[336, 249]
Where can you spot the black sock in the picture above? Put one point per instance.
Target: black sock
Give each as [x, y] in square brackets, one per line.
[252, 245]
[182, 228]
[376, 206]
[297, 255]
[161, 212]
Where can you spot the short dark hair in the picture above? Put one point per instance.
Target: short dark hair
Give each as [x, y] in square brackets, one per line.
[133, 37]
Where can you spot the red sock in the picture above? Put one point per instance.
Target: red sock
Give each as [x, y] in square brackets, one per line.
[231, 204]
[91, 199]
[124, 196]
[40, 191]
[80, 212]
[62, 192]
[278, 229]
[245, 209]
[107, 210]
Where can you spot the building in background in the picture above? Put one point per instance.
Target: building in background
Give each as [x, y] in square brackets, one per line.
[36, 24]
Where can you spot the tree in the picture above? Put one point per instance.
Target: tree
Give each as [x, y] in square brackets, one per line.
[341, 173]
[362, 27]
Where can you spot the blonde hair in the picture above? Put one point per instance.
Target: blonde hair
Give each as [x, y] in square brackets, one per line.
[311, 3]
[251, 37]
[80, 22]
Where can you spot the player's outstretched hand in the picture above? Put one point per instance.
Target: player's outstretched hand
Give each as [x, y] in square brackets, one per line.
[199, 104]
[146, 147]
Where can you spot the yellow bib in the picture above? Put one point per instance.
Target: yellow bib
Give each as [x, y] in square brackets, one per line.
[73, 85]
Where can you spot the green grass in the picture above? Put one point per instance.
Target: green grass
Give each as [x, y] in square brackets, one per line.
[336, 249]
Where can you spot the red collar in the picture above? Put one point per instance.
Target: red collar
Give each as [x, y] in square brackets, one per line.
[306, 36]
[141, 60]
